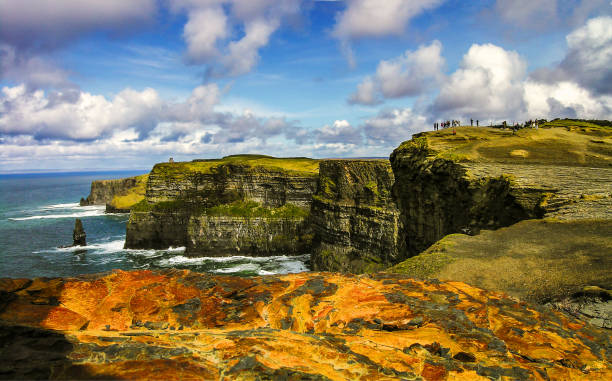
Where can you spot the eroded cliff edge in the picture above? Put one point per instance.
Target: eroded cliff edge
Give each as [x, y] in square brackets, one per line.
[177, 324]
[244, 204]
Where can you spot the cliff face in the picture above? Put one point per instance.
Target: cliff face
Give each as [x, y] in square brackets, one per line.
[118, 195]
[248, 204]
[439, 196]
[456, 191]
[177, 324]
[354, 218]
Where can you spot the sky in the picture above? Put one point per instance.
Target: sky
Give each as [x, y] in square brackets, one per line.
[115, 84]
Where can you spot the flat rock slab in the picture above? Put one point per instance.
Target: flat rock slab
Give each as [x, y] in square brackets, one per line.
[178, 324]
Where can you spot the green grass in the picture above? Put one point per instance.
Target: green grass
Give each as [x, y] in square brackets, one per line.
[560, 142]
[535, 260]
[298, 166]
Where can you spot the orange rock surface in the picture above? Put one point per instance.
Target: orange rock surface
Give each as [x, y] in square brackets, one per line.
[178, 324]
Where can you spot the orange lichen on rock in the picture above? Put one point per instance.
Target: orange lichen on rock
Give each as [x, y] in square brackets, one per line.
[177, 324]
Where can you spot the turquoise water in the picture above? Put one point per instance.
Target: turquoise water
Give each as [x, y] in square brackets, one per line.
[37, 213]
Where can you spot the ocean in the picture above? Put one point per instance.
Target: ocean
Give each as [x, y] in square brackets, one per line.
[37, 214]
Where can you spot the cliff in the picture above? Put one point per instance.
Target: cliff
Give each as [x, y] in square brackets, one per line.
[119, 195]
[177, 324]
[250, 204]
[527, 213]
[354, 218]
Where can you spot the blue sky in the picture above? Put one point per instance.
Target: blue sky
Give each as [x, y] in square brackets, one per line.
[115, 84]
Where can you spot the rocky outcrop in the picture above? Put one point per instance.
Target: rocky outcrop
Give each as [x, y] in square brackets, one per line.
[183, 325]
[118, 194]
[535, 225]
[247, 204]
[439, 196]
[354, 218]
[79, 238]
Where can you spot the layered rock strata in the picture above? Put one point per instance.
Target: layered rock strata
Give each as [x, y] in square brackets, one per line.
[355, 221]
[248, 204]
[177, 324]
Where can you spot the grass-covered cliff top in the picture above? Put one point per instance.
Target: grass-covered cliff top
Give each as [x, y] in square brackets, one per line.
[131, 196]
[294, 166]
[561, 142]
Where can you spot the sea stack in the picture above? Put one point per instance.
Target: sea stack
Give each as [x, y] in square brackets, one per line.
[78, 235]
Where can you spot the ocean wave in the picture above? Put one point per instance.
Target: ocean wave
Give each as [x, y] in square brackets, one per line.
[238, 268]
[77, 212]
[182, 260]
[72, 205]
[110, 247]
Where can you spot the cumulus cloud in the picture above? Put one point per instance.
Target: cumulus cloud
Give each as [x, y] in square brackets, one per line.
[43, 24]
[133, 115]
[80, 116]
[391, 127]
[34, 71]
[565, 100]
[209, 32]
[408, 75]
[374, 18]
[589, 57]
[492, 83]
[488, 84]
[340, 131]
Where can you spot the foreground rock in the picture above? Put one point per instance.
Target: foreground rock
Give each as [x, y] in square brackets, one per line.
[79, 238]
[183, 325]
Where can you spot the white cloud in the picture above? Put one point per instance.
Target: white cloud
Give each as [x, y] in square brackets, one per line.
[35, 71]
[339, 132]
[375, 18]
[408, 75]
[488, 84]
[203, 30]
[208, 32]
[565, 100]
[391, 127]
[589, 57]
[81, 117]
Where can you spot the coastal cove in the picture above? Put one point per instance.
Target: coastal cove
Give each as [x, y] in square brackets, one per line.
[37, 213]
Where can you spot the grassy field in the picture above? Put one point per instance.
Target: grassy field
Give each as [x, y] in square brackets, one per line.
[133, 196]
[533, 259]
[296, 166]
[559, 143]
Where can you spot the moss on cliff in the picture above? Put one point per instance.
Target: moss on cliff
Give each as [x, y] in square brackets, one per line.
[131, 196]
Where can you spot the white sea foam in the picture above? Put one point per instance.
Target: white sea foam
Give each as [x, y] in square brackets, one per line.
[61, 206]
[238, 268]
[83, 211]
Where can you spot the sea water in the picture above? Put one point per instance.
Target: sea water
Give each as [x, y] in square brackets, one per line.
[37, 213]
